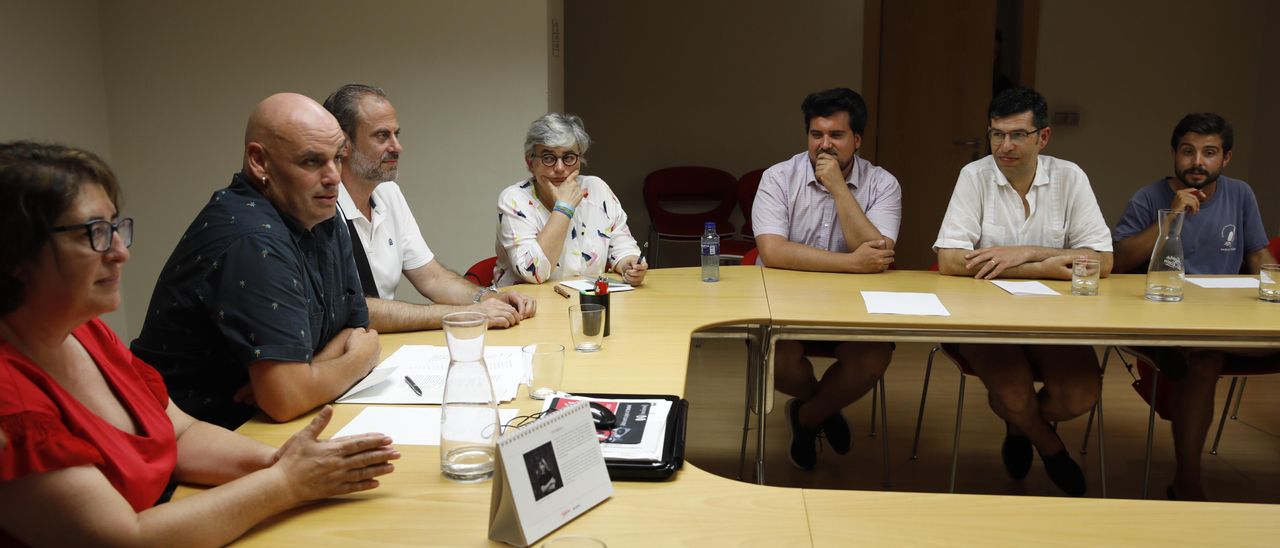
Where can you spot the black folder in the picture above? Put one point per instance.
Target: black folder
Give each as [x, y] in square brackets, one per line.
[672, 445]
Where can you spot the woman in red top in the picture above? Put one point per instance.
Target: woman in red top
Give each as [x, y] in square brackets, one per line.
[92, 439]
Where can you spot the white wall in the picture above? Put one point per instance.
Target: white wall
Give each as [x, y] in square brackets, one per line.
[1133, 69]
[182, 78]
[52, 78]
[665, 83]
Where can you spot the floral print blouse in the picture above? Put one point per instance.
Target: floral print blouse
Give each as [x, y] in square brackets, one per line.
[598, 236]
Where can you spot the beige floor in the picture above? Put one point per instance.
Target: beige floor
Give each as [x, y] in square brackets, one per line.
[1247, 468]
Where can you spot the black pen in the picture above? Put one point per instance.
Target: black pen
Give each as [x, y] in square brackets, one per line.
[413, 386]
[643, 249]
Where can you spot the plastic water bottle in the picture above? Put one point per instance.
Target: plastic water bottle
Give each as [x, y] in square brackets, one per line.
[710, 253]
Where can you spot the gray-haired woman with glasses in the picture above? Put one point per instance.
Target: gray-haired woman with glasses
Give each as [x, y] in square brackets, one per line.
[93, 439]
[559, 224]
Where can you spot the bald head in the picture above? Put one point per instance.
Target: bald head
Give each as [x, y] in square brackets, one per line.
[292, 147]
[284, 118]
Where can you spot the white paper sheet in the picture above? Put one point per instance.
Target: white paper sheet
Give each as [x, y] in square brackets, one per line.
[590, 285]
[1024, 288]
[912, 304]
[427, 366]
[405, 425]
[1226, 283]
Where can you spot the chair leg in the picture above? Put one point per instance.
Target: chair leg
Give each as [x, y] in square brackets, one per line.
[1151, 426]
[955, 446]
[924, 393]
[1102, 448]
[884, 430]
[654, 260]
[1088, 425]
[1223, 421]
[1235, 413]
[875, 396]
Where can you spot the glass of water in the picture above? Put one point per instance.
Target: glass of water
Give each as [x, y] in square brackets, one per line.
[1269, 283]
[1084, 276]
[586, 326]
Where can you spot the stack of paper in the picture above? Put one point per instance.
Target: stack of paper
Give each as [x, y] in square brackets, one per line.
[590, 285]
[427, 365]
[639, 432]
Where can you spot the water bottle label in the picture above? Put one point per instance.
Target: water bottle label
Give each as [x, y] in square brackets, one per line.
[710, 249]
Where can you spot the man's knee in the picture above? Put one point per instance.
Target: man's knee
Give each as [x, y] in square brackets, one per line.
[1075, 397]
[1008, 395]
[871, 357]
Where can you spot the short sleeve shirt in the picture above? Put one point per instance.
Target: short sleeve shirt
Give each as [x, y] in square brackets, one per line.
[1216, 239]
[49, 429]
[985, 210]
[391, 240]
[598, 235]
[792, 203]
[246, 283]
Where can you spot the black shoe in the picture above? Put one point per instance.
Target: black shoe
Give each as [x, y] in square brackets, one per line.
[804, 442]
[1064, 472]
[838, 434]
[1016, 454]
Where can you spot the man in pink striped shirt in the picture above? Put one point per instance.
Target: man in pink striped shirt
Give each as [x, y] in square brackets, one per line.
[827, 210]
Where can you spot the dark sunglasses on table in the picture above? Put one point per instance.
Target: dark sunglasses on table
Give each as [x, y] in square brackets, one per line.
[100, 232]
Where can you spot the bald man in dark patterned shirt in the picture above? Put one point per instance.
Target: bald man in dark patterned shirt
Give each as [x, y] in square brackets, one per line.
[259, 306]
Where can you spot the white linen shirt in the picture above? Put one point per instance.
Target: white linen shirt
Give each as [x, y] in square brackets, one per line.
[392, 241]
[985, 211]
[598, 236]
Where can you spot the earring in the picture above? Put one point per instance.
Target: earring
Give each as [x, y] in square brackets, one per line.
[264, 180]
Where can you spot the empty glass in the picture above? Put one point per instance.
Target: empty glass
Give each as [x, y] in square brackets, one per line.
[546, 367]
[586, 325]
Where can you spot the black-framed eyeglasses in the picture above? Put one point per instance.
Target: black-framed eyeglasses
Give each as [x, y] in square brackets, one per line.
[570, 159]
[1018, 137]
[101, 231]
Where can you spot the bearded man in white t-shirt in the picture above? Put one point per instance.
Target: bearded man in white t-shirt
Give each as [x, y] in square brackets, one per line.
[387, 234]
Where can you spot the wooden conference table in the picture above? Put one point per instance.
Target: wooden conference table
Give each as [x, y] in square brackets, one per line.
[648, 351]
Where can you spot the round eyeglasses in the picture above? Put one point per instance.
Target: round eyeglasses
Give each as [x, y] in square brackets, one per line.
[100, 232]
[569, 159]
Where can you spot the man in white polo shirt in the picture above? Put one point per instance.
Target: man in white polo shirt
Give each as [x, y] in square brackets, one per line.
[827, 210]
[388, 237]
[1019, 214]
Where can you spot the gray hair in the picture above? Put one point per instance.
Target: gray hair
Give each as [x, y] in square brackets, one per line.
[344, 104]
[557, 130]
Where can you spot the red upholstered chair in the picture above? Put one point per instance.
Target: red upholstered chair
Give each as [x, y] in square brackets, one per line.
[1274, 247]
[749, 258]
[691, 184]
[1155, 388]
[481, 273]
[748, 184]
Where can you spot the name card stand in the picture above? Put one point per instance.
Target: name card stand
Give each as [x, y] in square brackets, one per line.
[546, 474]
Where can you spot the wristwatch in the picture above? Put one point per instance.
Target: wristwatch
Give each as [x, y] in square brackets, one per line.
[482, 293]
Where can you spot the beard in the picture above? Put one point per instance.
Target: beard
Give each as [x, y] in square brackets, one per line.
[373, 169]
[1210, 177]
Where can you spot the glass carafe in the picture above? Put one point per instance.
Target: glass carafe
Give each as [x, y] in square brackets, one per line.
[1165, 274]
[469, 410]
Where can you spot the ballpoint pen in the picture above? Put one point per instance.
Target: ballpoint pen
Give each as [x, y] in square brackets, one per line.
[413, 386]
[643, 249]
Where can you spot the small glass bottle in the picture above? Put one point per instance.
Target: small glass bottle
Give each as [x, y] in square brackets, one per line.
[469, 410]
[710, 253]
[1165, 274]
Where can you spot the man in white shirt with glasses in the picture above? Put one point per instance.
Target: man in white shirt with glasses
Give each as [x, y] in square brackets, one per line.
[1020, 214]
